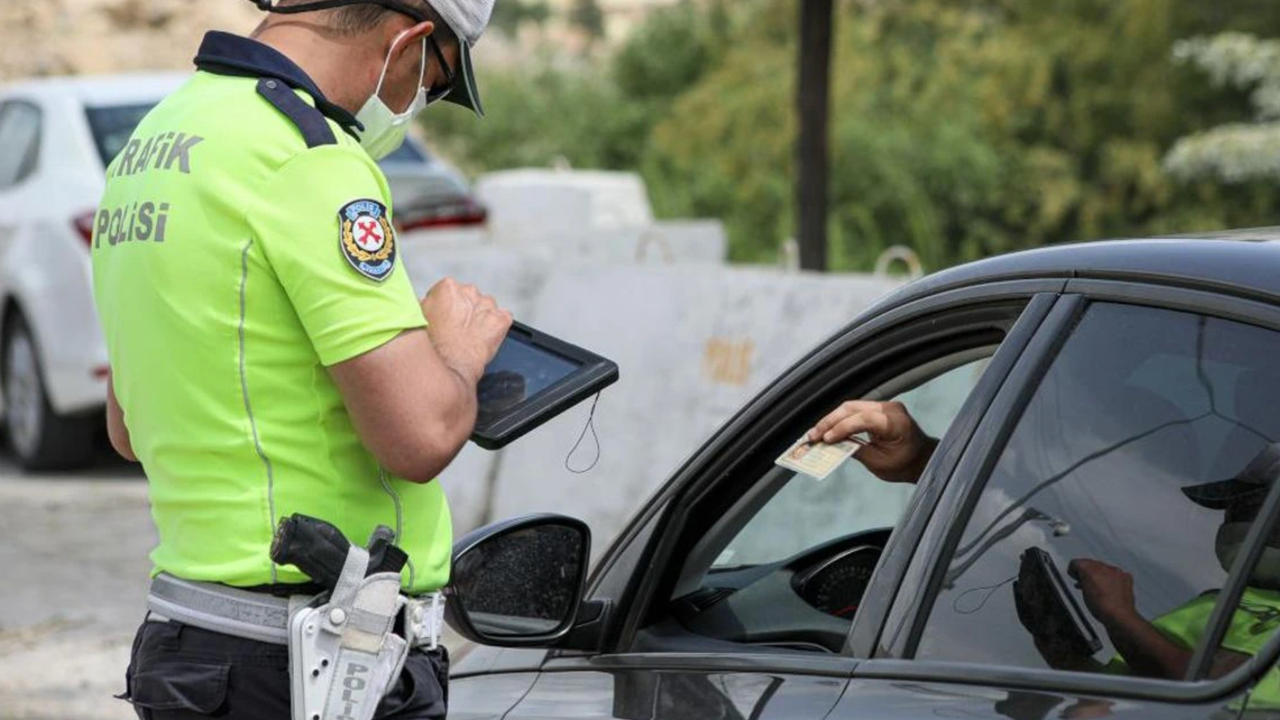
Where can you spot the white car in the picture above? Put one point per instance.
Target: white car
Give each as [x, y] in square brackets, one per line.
[57, 136]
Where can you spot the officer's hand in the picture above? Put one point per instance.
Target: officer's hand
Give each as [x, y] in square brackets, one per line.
[898, 450]
[466, 327]
[1107, 590]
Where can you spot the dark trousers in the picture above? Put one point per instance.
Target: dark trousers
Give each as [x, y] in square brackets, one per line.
[179, 672]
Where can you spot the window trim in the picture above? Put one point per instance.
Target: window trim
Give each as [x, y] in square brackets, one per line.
[963, 486]
[869, 622]
[838, 356]
[1080, 293]
[28, 166]
[751, 660]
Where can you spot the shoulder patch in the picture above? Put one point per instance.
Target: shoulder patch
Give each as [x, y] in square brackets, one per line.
[367, 239]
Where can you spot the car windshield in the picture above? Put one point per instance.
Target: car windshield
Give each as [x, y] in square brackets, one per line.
[113, 125]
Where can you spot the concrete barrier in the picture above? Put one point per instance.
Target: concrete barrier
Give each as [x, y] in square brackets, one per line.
[693, 343]
[693, 346]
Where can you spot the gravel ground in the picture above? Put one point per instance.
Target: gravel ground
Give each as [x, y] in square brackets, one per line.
[74, 567]
[74, 562]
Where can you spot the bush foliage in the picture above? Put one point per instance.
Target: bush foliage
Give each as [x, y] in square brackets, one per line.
[960, 128]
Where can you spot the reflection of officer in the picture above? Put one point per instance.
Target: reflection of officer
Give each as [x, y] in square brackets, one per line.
[899, 450]
[499, 392]
[268, 354]
[1163, 647]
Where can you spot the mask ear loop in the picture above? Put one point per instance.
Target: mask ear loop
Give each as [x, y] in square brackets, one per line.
[386, 65]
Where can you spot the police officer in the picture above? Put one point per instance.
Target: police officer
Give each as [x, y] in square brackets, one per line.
[268, 354]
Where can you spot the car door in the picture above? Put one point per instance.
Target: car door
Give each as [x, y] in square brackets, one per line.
[704, 616]
[1129, 405]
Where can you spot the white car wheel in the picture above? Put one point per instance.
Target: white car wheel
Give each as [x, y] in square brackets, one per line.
[24, 397]
[41, 438]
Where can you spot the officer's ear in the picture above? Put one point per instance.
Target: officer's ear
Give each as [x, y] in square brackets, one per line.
[411, 39]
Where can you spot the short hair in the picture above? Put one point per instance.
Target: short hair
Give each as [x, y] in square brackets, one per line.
[362, 17]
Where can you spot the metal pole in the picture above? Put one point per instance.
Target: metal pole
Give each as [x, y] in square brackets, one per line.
[813, 101]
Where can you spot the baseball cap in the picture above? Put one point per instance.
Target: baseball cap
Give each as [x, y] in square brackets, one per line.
[1250, 484]
[467, 20]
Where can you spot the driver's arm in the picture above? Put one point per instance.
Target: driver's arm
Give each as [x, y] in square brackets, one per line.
[898, 449]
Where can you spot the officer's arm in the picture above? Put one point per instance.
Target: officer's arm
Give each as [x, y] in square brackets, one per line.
[116, 429]
[411, 410]
[326, 234]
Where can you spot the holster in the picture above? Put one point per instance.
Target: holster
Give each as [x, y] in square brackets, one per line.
[344, 655]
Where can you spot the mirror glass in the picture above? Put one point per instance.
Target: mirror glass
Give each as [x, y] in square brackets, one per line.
[522, 583]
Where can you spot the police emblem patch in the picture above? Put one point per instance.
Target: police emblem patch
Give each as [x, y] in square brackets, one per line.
[367, 239]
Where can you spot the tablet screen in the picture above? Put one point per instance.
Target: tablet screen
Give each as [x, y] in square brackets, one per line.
[519, 372]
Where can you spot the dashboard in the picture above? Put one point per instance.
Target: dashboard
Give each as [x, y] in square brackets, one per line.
[807, 601]
[835, 585]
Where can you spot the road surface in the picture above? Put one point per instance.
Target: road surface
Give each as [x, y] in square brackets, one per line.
[73, 565]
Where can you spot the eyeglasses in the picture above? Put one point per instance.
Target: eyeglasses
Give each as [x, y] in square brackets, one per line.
[439, 93]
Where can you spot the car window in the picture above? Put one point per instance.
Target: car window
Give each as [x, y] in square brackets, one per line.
[1108, 524]
[787, 564]
[806, 512]
[113, 125]
[19, 142]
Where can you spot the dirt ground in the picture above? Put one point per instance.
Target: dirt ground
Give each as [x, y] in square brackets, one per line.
[73, 578]
[74, 563]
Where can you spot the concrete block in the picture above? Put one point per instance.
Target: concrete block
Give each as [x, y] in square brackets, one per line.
[693, 346]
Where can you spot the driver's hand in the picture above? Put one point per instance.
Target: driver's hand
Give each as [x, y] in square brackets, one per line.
[898, 449]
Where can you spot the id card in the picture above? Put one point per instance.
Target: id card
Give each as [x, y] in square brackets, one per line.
[817, 459]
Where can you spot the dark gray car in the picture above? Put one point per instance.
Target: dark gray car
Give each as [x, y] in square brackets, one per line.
[1104, 402]
[428, 193]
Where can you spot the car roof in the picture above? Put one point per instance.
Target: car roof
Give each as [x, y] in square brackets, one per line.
[1242, 262]
[94, 90]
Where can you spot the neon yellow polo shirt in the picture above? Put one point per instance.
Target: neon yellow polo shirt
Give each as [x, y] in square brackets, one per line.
[234, 261]
[1254, 622]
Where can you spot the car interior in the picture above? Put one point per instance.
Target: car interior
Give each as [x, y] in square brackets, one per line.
[769, 583]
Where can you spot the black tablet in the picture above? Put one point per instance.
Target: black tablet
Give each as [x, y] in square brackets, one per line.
[1063, 622]
[534, 378]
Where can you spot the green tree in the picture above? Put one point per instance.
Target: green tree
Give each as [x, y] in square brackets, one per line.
[961, 128]
[587, 15]
[509, 15]
[535, 118]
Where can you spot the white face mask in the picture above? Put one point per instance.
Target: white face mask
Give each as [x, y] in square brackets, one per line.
[384, 130]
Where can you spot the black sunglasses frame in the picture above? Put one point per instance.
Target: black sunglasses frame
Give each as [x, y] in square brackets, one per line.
[450, 76]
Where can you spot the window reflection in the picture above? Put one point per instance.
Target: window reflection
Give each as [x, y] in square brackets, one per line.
[1110, 520]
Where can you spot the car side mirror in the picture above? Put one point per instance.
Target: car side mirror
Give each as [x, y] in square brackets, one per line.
[519, 583]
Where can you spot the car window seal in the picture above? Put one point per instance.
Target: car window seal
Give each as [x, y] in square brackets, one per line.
[1006, 410]
[1201, 300]
[868, 625]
